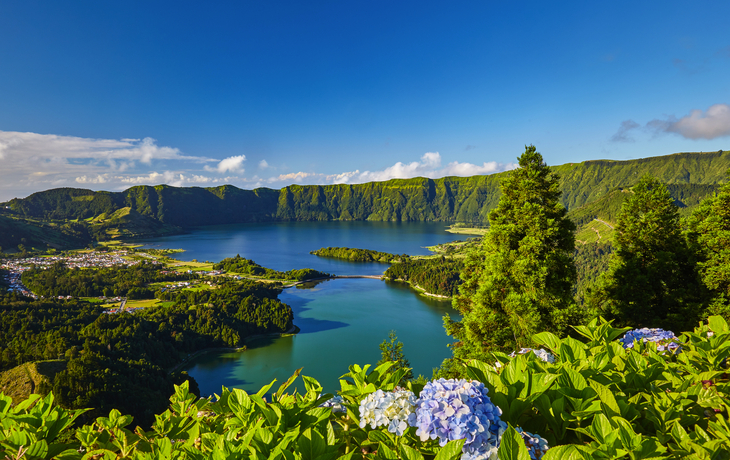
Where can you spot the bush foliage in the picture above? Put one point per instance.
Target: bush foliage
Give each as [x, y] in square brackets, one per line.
[597, 400]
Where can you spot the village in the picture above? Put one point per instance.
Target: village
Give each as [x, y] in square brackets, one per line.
[93, 260]
[16, 267]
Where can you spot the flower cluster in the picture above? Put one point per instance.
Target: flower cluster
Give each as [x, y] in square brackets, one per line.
[665, 340]
[446, 410]
[540, 353]
[459, 409]
[394, 408]
[336, 403]
[536, 444]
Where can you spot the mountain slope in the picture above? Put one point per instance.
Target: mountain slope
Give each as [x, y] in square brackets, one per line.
[461, 199]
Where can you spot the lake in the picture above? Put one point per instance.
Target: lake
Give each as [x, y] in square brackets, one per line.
[342, 321]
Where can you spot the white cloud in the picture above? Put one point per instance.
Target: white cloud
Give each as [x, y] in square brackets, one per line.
[713, 123]
[99, 179]
[176, 179]
[230, 164]
[151, 178]
[342, 178]
[428, 166]
[467, 169]
[263, 164]
[30, 162]
[15, 145]
[293, 177]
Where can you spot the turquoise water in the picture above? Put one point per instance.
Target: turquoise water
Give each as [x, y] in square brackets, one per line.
[342, 321]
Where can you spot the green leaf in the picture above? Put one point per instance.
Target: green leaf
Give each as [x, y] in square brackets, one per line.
[572, 379]
[312, 385]
[37, 449]
[378, 436]
[386, 453]
[409, 453]
[606, 397]
[238, 401]
[451, 451]
[718, 324]
[282, 388]
[548, 340]
[512, 446]
[601, 427]
[567, 452]
[311, 444]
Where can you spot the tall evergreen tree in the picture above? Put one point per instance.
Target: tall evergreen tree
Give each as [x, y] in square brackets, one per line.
[652, 279]
[709, 235]
[392, 350]
[520, 280]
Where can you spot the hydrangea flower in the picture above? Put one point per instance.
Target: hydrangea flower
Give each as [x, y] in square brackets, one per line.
[459, 409]
[665, 340]
[540, 353]
[336, 403]
[394, 408]
[536, 444]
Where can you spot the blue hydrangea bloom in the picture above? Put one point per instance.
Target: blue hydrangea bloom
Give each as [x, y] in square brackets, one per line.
[536, 444]
[448, 410]
[665, 340]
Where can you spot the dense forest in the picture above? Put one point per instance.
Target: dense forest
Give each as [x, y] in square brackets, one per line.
[360, 255]
[248, 267]
[438, 276]
[147, 210]
[122, 360]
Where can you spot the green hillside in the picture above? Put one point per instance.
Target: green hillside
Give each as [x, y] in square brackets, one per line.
[691, 176]
[35, 377]
[15, 230]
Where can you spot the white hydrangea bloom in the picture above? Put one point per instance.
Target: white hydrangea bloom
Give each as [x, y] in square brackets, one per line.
[541, 353]
[396, 409]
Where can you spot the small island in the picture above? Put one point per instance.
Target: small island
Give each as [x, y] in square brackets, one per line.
[360, 255]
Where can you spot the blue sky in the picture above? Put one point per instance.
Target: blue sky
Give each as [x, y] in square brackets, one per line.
[106, 95]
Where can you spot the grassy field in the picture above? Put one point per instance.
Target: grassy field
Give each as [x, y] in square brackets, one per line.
[147, 303]
[93, 300]
[467, 230]
[594, 231]
[184, 265]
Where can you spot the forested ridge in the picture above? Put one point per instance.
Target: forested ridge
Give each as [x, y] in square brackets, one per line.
[163, 209]
[122, 360]
[243, 266]
[360, 255]
[436, 276]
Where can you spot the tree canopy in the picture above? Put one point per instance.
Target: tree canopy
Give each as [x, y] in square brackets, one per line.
[520, 280]
[652, 279]
[709, 236]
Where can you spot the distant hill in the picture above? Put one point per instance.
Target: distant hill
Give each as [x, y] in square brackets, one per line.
[163, 209]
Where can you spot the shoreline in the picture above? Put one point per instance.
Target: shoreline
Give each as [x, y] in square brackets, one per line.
[291, 331]
[419, 289]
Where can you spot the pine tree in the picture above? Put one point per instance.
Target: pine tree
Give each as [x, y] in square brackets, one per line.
[652, 279]
[392, 350]
[709, 236]
[520, 280]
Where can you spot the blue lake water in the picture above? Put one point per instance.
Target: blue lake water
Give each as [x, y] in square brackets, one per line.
[342, 321]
